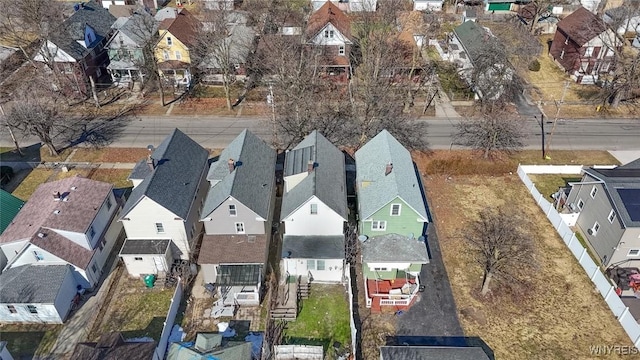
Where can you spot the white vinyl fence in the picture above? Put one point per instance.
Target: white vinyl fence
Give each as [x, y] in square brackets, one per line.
[168, 323]
[606, 289]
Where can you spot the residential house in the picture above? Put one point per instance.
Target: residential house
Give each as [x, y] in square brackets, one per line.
[471, 44]
[37, 293]
[10, 205]
[75, 49]
[582, 46]
[547, 23]
[392, 219]
[113, 346]
[329, 32]
[176, 35]
[624, 20]
[127, 46]
[314, 210]
[211, 346]
[168, 193]
[348, 5]
[237, 217]
[238, 44]
[107, 4]
[427, 5]
[607, 201]
[69, 221]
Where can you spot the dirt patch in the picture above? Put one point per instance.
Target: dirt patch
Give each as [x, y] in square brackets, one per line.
[561, 314]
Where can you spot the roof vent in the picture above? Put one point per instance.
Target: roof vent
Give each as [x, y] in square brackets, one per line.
[388, 169]
[232, 165]
[65, 199]
[74, 188]
[56, 212]
[41, 235]
[56, 196]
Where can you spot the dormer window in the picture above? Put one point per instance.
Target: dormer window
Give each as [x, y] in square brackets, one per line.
[169, 41]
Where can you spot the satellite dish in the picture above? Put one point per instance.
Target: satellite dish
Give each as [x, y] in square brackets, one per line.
[363, 238]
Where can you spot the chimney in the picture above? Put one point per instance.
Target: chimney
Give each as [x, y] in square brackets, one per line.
[150, 162]
[388, 169]
[56, 196]
[232, 165]
[310, 166]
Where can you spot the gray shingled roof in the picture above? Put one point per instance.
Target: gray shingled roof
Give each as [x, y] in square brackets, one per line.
[144, 247]
[473, 37]
[620, 184]
[432, 353]
[32, 284]
[394, 248]
[313, 247]
[66, 36]
[402, 182]
[139, 27]
[327, 181]
[173, 184]
[251, 182]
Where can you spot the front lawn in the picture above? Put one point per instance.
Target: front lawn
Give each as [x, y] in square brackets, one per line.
[117, 177]
[323, 320]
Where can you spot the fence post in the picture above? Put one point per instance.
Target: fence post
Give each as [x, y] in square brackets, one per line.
[595, 272]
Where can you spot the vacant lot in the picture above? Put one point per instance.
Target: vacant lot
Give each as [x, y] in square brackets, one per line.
[560, 314]
[324, 318]
[134, 309]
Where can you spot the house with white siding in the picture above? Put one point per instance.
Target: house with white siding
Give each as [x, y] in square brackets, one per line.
[314, 210]
[37, 293]
[69, 221]
[237, 217]
[165, 204]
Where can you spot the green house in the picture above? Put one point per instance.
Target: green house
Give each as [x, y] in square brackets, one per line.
[390, 199]
[9, 208]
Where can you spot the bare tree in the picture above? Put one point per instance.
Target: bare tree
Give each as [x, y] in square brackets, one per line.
[500, 244]
[492, 129]
[538, 9]
[35, 117]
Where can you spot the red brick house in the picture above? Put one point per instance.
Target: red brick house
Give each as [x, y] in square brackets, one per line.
[582, 46]
[75, 50]
[329, 31]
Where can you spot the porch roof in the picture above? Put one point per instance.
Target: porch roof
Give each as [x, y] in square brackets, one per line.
[173, 65]
[145, 247]
[122, 65]
[313, 247]
[238, 274]
[392, 248]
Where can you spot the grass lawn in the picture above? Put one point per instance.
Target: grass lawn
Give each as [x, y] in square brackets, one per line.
[560, 314]
[548, 184]
[31, 182]
[62, 156]
[29, 340]
[135, 310]
[110, 155]
[118, 177]
[323, 320]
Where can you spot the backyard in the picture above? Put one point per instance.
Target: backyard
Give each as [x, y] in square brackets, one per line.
[323, 320]
[560, 314]
[26, 341]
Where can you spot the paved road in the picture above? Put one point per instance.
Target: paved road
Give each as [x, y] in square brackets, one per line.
[217, 132]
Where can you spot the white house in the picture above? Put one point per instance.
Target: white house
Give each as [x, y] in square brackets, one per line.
[314, 210]
[68, 221]
[237, 218]
[37, 293]
[165, 204]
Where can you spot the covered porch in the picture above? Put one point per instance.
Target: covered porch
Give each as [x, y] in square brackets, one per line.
[177, 73]
[124, 73]
[399, 292]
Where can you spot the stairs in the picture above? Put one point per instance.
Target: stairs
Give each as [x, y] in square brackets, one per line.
[304, 288]
[283, 313]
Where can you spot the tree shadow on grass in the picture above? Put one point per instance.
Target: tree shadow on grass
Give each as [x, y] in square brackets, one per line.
[22, 345]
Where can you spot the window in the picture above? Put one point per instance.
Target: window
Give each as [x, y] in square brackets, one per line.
[377, 225]
[165, 54]
[232, 210]
[328, 34]
[380, 269]
[580, 204]
[595, 228]
[611, 217]
[39, 256]
[137, 258]
[239, 228]
[566, 41]
[32, 309]
[94, 268]
[311, 264]
[178, 55]
[12, 309]
[395, 209]
[562, 54]
[588, 51]
[633, 252]
[159, 228]
[67, 68]
[341, 50]
[169, 41]
[92, 232]
[320, 265]
[314, 209]
[109, 204]
[594, 191]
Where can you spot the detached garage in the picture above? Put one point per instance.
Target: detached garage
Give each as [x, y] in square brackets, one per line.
[143, 257]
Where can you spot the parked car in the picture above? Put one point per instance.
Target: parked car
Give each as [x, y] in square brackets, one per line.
[6, 174]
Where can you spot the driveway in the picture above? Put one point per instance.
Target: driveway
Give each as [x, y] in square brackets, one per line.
[434, 313]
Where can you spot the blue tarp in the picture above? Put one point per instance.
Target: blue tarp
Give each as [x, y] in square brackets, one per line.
[229, 332]
[256, 344]
[177, 334]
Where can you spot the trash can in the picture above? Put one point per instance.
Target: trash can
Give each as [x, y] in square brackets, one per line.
[149, 280]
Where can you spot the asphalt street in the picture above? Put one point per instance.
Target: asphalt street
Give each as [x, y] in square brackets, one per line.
[217, 132]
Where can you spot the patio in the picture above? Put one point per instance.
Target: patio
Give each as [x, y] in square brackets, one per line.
[399, 293]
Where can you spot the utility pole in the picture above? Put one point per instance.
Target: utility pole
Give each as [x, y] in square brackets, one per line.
[13, 137]
[544, 156]
[555, 120]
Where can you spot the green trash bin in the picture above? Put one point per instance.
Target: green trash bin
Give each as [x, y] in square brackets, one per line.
[149, 280]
